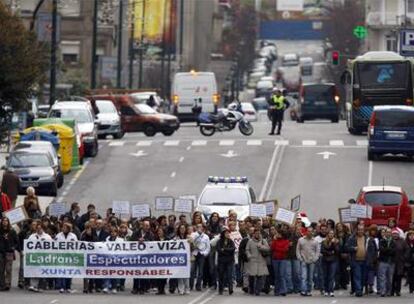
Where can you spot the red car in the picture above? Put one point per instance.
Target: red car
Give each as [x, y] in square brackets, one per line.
[386, 202]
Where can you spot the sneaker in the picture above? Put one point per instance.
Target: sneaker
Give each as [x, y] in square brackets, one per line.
[332, 295]
[325, 294]
[187, 292]
[114, 291]
[105, 290]
[61, 290]
[182, 293]
[32, 288]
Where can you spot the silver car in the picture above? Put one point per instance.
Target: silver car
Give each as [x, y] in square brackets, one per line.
[109, 120]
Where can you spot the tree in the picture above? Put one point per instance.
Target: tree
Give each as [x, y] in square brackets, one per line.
[23, 61]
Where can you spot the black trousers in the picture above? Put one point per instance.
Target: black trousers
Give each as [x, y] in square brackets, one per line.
[277, 119]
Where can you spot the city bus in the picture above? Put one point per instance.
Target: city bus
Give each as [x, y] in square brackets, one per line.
[375, 78]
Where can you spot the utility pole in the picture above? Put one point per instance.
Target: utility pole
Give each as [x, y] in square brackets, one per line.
[94, 43]
[141, 45]
[52, 88]
[163, 46]
[170, 38]
[131, 47]
[119, 66]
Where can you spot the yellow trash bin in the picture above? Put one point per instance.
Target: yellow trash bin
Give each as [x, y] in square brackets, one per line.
[66, 137]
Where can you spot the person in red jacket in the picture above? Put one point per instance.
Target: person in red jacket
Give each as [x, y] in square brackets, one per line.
[280, 247]
[5, 203]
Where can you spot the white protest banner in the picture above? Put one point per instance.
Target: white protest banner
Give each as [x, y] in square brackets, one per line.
[258, 210]
[369, 212]
[182, 205]
[146, 260]
[57, 209]
[164, 203]
[190, 197]
[120, 207]
[285, 216]
[358, 211]
[295, 203]
[270, 208]
[345, 215]
[16, 215]
[141, 211]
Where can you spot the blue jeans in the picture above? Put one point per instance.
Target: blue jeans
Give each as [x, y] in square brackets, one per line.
[279, 270]
[197, 267]
[306, 277]
[385, 276]
[111, 283]
[329, 271]
[359, 269]
[318, 275]
[225, 274]
[293, 276]
[63, 284]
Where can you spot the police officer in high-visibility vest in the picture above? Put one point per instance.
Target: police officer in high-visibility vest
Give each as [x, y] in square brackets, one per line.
[277, 106]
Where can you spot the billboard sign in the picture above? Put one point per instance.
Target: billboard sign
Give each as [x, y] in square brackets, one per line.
[289, 5]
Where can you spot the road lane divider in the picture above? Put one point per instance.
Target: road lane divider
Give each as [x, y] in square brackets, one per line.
[370, 170]
[74, 179]
[275, 173]
[269, 173]
[195, 301]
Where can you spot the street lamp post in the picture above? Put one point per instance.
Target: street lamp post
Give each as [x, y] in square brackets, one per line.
[94, 43]
[52, 88]
[141, 45]
[131, 47]
[119, 66]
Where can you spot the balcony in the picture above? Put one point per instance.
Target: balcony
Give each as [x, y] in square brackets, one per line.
[383, 19]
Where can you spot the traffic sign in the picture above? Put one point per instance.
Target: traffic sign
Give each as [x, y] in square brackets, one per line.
[407, 43]
[360, 32]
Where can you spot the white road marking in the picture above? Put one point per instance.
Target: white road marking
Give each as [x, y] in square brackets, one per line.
[309, 143]
[229, 154]
[363, 143]
[60, 198]
[208, 299]
[170, 143]
[370, 170]
[144, 143]
[275, 173]
[269, 173]
[54, 301]
[138, 154]
[165, 189]
[326, 154]
[226, 142]
[173, 174]
[199, 143]
[193, 301]
[254, 142]
[181, 159]
[188, 148]
[281, 143]
[116, 143]
[337, 143]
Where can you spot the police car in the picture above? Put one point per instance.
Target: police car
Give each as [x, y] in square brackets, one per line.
[222, 194]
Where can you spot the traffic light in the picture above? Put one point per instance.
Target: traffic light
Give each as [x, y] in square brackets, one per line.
[335, 57]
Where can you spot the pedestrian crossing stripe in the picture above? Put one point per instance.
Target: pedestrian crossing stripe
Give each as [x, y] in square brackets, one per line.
[199, 143]
[309, 143]
[336, 143]
[116, 143]
[281, 143]
[226, 142]
[254, 142]
[362, 143]
[172, 143]
[144, 143]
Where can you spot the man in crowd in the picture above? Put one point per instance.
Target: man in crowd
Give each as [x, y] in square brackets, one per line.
[357, 249]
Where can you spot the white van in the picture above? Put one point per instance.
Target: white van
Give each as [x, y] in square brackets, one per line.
[191, 88]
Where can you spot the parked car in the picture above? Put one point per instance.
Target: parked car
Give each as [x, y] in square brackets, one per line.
[264, 88]
[386, 202]
[39, 145]
[249, 112]
[306, 66]
[34, 169]
[391, 131]
[82, 113]
[290, 60]
[109, 120]
[143, 97]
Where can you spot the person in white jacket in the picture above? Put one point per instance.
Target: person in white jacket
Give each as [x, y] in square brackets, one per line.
[112, 284]
[41, 236]
[200, 250]
[65, 284]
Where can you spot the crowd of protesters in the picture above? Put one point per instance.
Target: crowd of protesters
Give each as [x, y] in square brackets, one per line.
[256, 255]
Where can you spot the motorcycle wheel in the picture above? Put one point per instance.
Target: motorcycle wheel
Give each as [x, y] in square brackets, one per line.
[246, 128]
[207, 131]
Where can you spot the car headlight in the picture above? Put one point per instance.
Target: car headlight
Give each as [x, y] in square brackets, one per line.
[115, 121]
[162, 121]
[46, 178]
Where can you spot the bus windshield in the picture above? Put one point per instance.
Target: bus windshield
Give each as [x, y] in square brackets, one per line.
[375, 75]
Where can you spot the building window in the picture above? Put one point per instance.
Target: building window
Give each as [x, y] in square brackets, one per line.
[70, 52]
[391, 44]
[70, 8]
[410, 6]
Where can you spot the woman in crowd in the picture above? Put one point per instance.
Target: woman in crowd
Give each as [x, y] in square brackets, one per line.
[329, 251]
[111, 285]
[342, 274]
[280, 247]
[88, 235]
[183, 283]
[31, 204]
[9, 243]
[225, 252]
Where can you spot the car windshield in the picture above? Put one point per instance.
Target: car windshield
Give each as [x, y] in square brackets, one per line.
[144, 109]
[105, 106]
[224, 197]
[383, 75]
[319, 93]
[80, 115]
[383, 198]
[394, 119]
[25, 160]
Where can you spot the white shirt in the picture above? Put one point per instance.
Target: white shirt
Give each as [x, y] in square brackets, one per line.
[201, 243]
[71, 237]
[41, 237]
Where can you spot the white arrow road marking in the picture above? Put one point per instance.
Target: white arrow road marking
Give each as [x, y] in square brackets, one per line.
[230, 154]
[326, 154]
[138, 154]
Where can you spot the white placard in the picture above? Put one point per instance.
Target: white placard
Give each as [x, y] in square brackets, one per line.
[285, 216]
[258, 210]
[295, 203]
[182, 205]
[289, 5]
[164, 203]
[369, 212]
[16, 215]
[345, 215]
[270, 208]
[192, 197]
[141, 210]
[120, 207]
[359, 211]
[57, 209]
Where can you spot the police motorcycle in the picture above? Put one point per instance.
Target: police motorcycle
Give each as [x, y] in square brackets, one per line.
[223, 121]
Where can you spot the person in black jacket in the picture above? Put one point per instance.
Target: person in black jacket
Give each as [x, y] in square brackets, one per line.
[225, 252]
[8, 244]
[330, 253]
[410, 260]
[88, 235]
[386, 263]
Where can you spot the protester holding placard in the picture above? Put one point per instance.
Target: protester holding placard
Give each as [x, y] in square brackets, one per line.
[9, 243]
[330, 252]
[201, 249]
[225, 261]
[31, 204]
